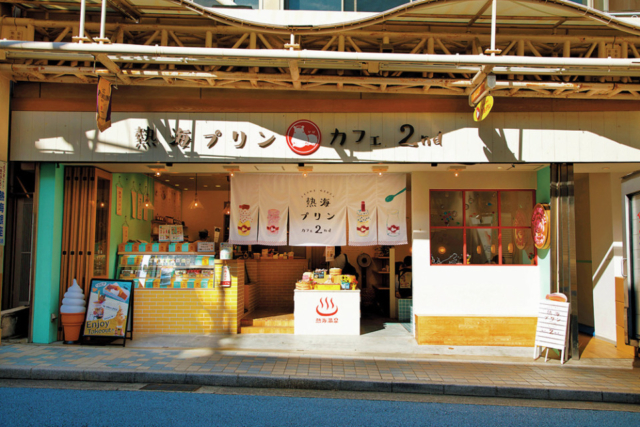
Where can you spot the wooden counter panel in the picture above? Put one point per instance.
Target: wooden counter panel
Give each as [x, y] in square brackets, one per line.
[481, 331]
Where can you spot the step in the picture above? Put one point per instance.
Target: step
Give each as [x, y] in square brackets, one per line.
[266, 330]
[279, 320]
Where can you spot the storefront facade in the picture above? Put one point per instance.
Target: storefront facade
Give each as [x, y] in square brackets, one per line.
[420, 127]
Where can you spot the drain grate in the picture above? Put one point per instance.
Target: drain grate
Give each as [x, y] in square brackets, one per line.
[171, 387]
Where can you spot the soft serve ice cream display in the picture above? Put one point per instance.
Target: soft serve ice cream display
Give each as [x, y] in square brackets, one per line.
[73, 301]
[72, 312]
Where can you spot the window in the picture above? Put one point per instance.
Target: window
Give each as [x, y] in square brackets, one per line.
[482, 227]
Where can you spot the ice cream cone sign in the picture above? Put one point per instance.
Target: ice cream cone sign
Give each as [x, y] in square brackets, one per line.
[226, 277]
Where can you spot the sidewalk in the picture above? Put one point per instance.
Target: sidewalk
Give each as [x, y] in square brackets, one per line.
[214, 367]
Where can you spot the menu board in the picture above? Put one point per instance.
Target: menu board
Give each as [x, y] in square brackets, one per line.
[109, 308]
[552, 328]
[170, 233]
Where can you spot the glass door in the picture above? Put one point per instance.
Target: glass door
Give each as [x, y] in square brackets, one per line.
[631, 259]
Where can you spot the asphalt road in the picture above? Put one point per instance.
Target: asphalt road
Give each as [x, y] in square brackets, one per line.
[34, 406]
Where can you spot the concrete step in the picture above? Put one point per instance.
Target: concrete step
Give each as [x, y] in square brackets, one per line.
[266, 330]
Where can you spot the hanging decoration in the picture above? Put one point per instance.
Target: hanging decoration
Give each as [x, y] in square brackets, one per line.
[392, 209]
[362, 210]
[140, 205]
[134, 201]
[119, 191]
[317, 208]
[243, 220]
[273, 210]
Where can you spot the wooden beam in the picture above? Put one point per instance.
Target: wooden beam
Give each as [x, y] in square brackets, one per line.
[295, 73]
[111, 66]
[480, 12]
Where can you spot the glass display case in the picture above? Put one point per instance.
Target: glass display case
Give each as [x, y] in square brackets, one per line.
[164, 271]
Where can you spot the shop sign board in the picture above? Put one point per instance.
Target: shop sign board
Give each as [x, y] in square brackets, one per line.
[304, 137]
[109, 308]
[552, 329]
[482, 90]
[170, 233]
[540, 223]
[206, 247]
[483, 109]
[3, 200]
[369, 138]
[327, 312]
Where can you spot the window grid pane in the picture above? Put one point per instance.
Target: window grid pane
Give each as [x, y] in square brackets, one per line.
[506, 245]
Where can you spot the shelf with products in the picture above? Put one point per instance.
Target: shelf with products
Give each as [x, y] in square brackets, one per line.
[162, 271]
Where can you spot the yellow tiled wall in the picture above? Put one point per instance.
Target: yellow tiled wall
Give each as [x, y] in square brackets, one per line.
[192, 311]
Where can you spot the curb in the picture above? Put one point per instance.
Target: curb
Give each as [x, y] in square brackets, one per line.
[293, 382]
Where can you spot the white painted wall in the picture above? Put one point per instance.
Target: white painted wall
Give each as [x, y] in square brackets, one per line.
[484, 290]
[606, 249]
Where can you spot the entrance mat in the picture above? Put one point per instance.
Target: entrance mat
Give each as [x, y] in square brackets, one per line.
[171, 387]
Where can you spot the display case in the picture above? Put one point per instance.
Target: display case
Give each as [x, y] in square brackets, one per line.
[185, 270]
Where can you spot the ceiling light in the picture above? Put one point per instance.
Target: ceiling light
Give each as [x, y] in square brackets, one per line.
[195, 204]
[147, 200]
[218, 185]
[177, 185]
[191, 177]
[166, 180]
[205, 186]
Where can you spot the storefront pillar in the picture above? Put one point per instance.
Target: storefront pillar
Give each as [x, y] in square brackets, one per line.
[50, 194]
[563, 244]
[5, 96]
[543, 195]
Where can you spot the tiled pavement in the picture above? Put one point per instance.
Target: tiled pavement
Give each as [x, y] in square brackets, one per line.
[210, 367]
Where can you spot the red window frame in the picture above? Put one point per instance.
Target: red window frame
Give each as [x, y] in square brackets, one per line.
[464, 226]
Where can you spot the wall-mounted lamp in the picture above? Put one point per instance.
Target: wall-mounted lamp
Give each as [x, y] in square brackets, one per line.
[380, 169]
[456, 169]
[510, 248]
[231, 169]
[442, 250]
[305, 169]
[226, 210]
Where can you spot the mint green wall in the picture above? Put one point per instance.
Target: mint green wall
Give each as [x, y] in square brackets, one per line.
[138, 228]
[48, 253]
[543, 195]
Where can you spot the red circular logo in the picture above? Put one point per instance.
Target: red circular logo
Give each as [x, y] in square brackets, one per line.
[303, 137]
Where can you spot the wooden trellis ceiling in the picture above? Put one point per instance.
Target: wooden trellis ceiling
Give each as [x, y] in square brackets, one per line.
[459, 31]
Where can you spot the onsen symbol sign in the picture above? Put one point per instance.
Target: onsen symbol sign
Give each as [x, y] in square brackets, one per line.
[326, 307]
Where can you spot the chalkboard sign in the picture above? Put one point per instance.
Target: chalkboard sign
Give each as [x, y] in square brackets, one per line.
[553, 328]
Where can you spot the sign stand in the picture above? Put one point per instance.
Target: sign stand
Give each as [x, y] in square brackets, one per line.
[552, 330]
[108, 296]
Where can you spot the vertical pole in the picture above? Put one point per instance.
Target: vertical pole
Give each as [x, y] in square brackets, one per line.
[83, 8]
[563, 254]
[493, 28]
[103, 19]
[392, 283]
